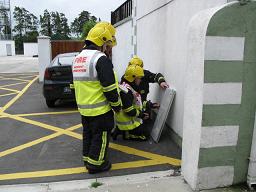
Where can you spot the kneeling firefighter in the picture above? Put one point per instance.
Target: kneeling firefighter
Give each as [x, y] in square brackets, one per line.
[149, 77]
[97, 97]
[129, 120]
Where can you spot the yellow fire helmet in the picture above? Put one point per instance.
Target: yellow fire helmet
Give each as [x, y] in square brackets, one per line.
[111, 29]
[136, 61]
[99, 36]
[132, 72]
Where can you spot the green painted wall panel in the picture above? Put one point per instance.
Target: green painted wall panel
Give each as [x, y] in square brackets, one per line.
[250, 46]
[221, 23]
[233, 21]
[248, 107]
[223, 71]
[218, 156]
[220, 115]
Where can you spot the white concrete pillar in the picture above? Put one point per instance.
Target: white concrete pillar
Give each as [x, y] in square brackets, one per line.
[44, 55]
[196, 137]
[251, 178]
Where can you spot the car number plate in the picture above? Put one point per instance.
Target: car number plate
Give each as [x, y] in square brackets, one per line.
[67, 90]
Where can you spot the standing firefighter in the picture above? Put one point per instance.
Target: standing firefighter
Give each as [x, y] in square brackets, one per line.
[112, 31]
[96, 95]
[149, 77]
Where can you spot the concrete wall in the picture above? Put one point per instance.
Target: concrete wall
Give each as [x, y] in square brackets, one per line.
[30, 49]
[161, 43]
[3, 50]
[219, 107]
[124, 43]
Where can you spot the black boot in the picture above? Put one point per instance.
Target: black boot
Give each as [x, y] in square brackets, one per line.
[115, 133]
[106, 166]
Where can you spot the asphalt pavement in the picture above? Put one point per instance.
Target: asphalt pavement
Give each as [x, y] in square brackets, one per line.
[40, 144]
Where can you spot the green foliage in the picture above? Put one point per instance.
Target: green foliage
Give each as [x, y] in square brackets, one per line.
[87, 27]
[25, 29]
[96, 184]
[24, 21]
[77, 26]
[46, 25]
[55, 25]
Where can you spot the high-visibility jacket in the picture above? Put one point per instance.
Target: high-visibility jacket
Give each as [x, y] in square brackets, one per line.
[89, 92]
[123, 121]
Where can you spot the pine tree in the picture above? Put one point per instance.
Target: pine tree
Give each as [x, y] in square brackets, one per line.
[65, 30]
[75, 27]
[26, 25]
[83, 19]
[45, 22]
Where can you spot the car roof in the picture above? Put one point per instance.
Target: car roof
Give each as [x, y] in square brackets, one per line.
[68, 54]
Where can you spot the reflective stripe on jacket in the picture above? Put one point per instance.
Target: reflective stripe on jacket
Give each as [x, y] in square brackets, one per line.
[88, 89]
[123, 121]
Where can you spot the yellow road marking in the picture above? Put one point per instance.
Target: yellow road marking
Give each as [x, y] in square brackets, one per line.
[7, 94]
[16, 79]
[41, 114]
[47, 113]
[145, 154]
[124, 149]
[37, 141]
[12, 90]
[43, 125]
[18, 96]
[155, 159]
[78, 170]
[8, 85]
[121, 148]
[15, 74]
[24, 77]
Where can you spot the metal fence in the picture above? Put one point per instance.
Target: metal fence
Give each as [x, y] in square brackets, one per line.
[122, 12]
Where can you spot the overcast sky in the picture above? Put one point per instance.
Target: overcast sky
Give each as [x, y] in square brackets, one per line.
[71, 8]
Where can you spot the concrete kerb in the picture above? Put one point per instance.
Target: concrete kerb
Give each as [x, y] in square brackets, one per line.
[125, 183]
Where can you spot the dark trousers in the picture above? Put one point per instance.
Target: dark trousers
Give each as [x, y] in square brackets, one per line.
[141, 130]
[96, 133]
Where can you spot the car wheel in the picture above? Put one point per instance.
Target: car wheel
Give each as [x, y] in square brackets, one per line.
[50, 103]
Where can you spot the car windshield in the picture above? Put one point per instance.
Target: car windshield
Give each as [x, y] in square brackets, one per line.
[63, 60]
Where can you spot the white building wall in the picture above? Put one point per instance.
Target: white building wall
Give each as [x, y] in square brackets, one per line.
[30, 49]
[161, 42]
[3, 50]
[123, 51]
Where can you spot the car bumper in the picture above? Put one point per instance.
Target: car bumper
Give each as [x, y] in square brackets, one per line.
[58, 90]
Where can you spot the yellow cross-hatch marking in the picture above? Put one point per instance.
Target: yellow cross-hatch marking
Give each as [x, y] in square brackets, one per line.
[37, 141]
[43, 125]
[12, 78]
[12, 90]
[26, 77]
[7, 94]
[45, 113]
[12, 84]
[154, 159]
[18, 96]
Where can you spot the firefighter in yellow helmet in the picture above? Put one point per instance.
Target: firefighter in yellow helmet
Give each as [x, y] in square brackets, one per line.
[149, 77]
[130, 119]
[97, 97]
[112, 31]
